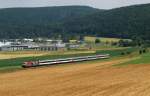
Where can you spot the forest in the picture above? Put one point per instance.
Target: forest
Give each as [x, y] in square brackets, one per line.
[75, 22]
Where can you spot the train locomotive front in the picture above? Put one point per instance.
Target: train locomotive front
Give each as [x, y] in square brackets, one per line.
[30, 64]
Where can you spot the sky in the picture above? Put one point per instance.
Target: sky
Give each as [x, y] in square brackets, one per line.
[101, 4]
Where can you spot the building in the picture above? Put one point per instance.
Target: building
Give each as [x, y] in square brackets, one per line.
[73, 46]
[47, 48]
[4, 45]
[32, 46]
[27, 40]
[13, 48]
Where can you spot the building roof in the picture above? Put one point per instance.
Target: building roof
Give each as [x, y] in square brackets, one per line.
[5, 44]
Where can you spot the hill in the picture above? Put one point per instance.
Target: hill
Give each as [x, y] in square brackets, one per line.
[42, 21]
[125, 22]
[75, 22]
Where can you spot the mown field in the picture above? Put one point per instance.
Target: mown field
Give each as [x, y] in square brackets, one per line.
[18, 54]
[93, 78]
[121, 75]
[102, 39]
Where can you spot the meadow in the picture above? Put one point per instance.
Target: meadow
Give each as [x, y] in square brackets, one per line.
[141, 59]
[15, 63]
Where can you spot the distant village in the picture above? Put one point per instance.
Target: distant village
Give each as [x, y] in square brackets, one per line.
[38, 44]
[45, 44]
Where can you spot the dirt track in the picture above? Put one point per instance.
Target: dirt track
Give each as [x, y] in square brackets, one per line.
[99, 79]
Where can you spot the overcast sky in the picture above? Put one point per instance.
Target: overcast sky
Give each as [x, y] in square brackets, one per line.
[102, 4]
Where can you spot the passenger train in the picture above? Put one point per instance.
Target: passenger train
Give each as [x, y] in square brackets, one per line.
[29, 64]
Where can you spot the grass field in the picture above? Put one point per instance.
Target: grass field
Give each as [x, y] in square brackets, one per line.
[15, 63]
[142, 59]
[19, 61]
[117, 52]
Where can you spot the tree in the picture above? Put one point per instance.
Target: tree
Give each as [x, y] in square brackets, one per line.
[124, 43]
[97, 41]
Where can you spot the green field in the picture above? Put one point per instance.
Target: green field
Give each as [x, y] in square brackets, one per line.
[15, 63]
[19, 61]
[114, 53]
[141, 59]
[9, 65]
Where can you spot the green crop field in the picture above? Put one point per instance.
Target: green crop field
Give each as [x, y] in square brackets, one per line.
[15, 63]
[117, 52]
[19, 61]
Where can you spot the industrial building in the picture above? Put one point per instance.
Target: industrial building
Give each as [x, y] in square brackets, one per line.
[53, 45]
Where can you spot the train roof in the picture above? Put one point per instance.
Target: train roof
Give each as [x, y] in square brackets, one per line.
[81, 57]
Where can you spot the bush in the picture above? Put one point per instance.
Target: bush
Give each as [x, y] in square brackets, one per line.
[123, 53]
[97, 41]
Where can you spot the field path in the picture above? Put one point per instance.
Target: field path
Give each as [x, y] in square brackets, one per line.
[99, 79]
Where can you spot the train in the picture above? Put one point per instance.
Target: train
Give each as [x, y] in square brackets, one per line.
[37, 63]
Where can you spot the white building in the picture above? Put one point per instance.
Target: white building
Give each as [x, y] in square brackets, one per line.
[28, 40]
[5, 43]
